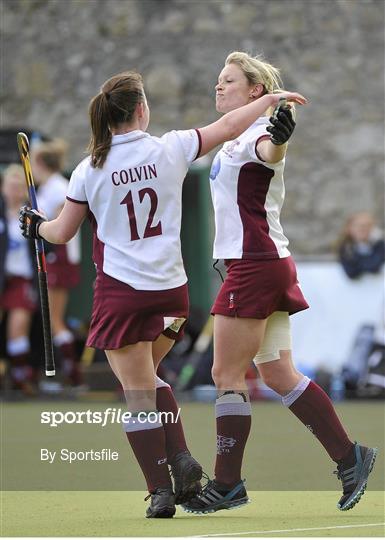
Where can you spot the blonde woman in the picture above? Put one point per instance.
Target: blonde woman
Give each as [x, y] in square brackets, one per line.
[19, 296]
[259, 294]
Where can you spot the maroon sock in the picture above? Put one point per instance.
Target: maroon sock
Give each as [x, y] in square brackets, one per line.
[20, 370]
[175, 439]
[150, 451]
[18, 360]
[70, 364]
[233, 428]
[315, 410]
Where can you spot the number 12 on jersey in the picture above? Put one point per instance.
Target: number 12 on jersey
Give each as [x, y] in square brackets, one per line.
[150, 229]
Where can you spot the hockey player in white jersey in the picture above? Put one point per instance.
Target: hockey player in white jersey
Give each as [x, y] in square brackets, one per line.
[260, 292]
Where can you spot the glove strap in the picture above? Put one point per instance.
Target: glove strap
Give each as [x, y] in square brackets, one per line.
[37, 229]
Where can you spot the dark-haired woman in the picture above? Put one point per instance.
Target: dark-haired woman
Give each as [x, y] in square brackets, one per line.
[131, 187]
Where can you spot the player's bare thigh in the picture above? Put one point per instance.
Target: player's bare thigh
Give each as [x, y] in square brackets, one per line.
[134, 369]
[236, 341]
[160, 348]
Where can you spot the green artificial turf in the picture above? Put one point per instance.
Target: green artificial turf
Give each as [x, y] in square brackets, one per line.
[289, 477]
[97, 513]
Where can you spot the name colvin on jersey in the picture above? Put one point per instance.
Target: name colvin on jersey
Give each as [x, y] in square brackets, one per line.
[125, 176]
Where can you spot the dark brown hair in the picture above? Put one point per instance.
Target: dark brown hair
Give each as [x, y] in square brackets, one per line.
[115, 103]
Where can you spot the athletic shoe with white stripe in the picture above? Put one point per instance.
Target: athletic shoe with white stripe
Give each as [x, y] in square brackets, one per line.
[216, 497]
[354, 478]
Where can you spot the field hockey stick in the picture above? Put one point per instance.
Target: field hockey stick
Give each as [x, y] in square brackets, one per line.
[23, 144]
[200, 347]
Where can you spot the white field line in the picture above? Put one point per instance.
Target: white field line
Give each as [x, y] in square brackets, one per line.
[292, 530]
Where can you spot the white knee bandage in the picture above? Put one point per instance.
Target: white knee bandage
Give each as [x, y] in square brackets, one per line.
[277, 338]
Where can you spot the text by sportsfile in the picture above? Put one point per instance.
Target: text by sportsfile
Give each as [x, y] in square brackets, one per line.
[70, 456]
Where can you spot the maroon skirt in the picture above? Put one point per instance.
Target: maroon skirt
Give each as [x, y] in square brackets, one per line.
[61, 273]
[256, 289]
[122, 315]
[19, 293]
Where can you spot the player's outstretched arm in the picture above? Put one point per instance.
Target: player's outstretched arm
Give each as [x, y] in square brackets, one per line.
[232, 124]
[57, 231]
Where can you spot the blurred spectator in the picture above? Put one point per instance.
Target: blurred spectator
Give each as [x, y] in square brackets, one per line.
[3, 239]
[63, 261]
[361, 248]
[18, 297]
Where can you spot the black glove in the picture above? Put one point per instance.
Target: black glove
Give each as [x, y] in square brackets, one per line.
[282, 125]
[30, 221]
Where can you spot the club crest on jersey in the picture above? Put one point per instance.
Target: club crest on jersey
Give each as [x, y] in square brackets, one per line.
[173, 323]
[229, 148]
[224, 444]
[215, 167]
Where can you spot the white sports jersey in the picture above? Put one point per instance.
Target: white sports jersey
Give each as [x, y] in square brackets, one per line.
[247, 196]
[17, 260]
[50, 199]
[135, 201]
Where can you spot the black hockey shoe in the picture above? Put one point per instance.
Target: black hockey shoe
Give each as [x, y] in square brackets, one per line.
[162, 503]
[216, 497]
[186, 473]
[354, 478]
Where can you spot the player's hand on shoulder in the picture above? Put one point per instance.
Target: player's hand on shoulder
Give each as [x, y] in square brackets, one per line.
[282, 125]
[30, 221]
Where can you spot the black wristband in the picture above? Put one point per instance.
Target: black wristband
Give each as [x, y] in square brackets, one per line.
[37, 229]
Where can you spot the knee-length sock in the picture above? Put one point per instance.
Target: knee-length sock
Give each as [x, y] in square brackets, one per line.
[172, 424]
[148, 443]
[313, 407]
[233, 418]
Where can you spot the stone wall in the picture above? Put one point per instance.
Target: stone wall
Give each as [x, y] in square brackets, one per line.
[56, 54]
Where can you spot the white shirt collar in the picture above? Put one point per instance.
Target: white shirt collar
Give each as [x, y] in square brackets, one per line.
[128, 137]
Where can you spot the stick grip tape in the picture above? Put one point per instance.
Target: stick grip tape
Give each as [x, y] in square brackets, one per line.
[48, 347]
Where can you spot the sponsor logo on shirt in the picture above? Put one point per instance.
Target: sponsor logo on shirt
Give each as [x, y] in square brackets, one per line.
[229, 148]
[215, 167]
